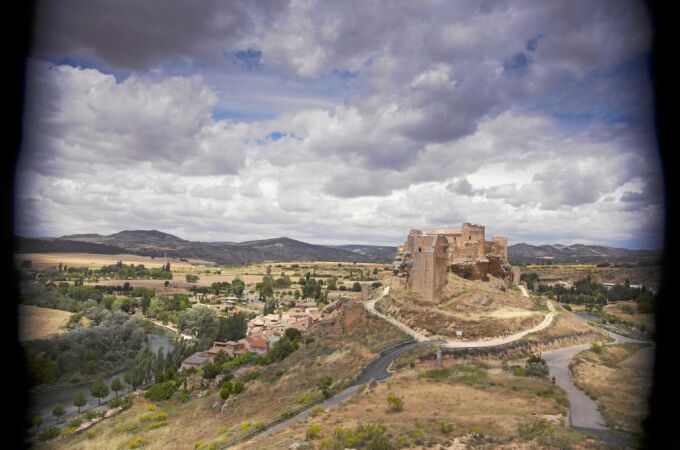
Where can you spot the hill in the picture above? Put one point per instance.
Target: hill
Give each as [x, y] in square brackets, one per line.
[157, 243]
[579, 253]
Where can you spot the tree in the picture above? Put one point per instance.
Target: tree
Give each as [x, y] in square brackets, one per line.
[58, 411]
[116, 385]
[191, 278]
[79, 400]
[293, 334]
[332, 283]
[237, 287]
[37, 421]
[99, 389]
[356, 287]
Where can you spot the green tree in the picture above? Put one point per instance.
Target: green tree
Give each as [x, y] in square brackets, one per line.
[356, 287]
[293, 334]
[79, 400]
[116, 385]
[58, 411]
[237, 287]
[37, 421]
[99, 389]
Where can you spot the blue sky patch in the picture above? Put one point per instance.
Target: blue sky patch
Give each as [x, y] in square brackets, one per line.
[86, 63]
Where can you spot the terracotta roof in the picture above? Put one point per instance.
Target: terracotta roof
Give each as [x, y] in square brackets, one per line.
[257, 341]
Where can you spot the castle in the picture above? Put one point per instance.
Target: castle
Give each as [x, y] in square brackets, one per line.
[424, 260]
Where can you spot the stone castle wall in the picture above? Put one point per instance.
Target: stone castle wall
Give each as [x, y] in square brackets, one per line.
[424, 260]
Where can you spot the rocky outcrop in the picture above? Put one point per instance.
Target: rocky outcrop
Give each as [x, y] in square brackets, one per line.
[481, 268]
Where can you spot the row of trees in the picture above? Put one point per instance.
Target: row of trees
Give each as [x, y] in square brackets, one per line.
[590, 293]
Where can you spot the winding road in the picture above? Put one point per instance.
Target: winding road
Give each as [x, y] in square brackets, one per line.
[459, 343]
[583, 411]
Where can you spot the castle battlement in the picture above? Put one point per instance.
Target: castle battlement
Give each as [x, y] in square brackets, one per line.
[424, 259]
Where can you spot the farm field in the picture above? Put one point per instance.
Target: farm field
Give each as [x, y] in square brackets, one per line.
[40, 323]
[649, 275]
[94, 261]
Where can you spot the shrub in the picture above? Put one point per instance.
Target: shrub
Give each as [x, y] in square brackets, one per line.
[317, 410]
[225, 392]
[238, 387]
[250, 376]
[445, 426]
[395, 403]
[286, 411]
[184, 395]
[597, 347]
[48, 433]
[244, 426]
[519, 372]
[161, 391]
[75, 423]
[257, 425]
[368, 436]
[437, 374]
[136, 442]
[567, 307]
[151, 407]
[313, 432]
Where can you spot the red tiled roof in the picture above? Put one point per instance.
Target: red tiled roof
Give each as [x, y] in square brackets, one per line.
[256, 341]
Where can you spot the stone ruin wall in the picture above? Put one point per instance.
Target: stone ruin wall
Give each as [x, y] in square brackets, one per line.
[424, 260]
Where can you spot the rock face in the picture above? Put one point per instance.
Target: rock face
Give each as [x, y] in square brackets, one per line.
[423, 261]
[480, 268]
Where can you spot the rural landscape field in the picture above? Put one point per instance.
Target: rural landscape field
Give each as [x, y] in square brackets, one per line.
[342, 324]
[318, 225]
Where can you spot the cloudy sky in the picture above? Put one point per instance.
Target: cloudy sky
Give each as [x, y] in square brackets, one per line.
[342, 122]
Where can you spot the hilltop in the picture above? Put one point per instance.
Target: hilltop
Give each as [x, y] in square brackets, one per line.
[158, 243]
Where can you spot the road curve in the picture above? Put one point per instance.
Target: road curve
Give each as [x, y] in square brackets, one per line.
[376, 370]
[455, 343]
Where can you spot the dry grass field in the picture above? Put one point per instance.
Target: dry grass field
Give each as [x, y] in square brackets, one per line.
[480, 309]
[288, 383]
[649, 275]
[567, 329]
[627, 311]
[497, 410]
[619, 378]
[40, 323]
[94, 261]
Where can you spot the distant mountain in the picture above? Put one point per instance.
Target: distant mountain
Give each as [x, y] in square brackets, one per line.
[579, 253]
[50, 245]
[375, 252]
[157, 243]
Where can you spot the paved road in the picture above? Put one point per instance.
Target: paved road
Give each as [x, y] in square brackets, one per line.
[374, 371]
[583, 411]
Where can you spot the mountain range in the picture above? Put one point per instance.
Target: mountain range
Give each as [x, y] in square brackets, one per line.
[157, 243]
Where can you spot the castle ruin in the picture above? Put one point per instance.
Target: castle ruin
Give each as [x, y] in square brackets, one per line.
[424, 260]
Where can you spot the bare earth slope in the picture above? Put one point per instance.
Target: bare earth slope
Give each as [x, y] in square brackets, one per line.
[479, 309]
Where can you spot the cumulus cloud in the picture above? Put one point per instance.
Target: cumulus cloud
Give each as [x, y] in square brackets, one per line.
[341, 121]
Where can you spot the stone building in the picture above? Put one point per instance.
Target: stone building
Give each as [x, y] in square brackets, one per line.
[424, 260]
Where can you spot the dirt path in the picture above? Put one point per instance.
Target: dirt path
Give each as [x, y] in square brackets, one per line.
[457, 343]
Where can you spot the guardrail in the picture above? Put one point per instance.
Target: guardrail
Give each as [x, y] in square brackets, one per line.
[316, 402]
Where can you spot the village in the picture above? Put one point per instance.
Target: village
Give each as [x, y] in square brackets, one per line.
[264, 330]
